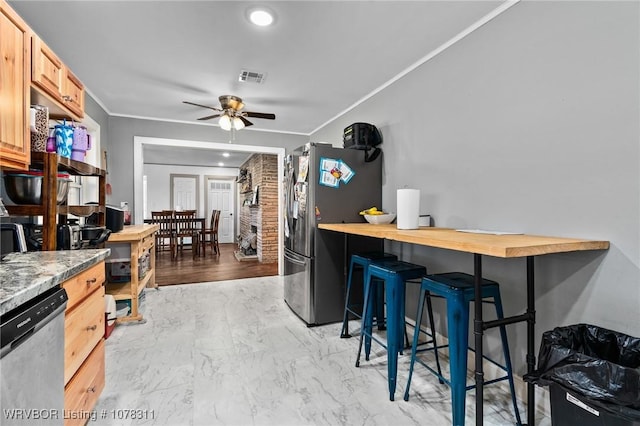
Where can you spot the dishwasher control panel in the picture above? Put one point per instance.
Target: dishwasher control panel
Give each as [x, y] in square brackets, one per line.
[19, 323]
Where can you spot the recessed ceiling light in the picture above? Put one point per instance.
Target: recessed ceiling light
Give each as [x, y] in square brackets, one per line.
[225, 154]
[220, 164]
[261, 17]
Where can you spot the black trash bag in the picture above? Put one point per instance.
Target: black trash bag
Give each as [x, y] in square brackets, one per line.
[601, 365]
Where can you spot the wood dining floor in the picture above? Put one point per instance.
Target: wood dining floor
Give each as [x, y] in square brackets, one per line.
[188, 269]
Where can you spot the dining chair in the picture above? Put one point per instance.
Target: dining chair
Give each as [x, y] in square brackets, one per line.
[188, 226]
[210, 235]
[166, 234]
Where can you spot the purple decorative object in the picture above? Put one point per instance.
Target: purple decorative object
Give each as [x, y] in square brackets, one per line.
[80, 139]
[77, 155]
[51, 144]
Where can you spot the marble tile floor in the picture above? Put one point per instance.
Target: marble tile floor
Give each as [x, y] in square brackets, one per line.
[233, 353]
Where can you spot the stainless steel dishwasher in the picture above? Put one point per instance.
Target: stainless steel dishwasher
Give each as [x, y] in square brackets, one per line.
[32, 361]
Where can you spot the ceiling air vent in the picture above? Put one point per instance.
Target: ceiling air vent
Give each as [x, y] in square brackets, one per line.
[251, 77]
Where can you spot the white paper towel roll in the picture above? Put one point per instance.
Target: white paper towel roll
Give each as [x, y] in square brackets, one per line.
[32, 120]
[110, 308]
[408, 208]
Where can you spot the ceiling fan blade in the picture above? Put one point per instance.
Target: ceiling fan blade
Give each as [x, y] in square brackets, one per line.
[246, 122]
[265, 115]
[202, 106]
[209, 117]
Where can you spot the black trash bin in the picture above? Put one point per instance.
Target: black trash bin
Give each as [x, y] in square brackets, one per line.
[593, 375]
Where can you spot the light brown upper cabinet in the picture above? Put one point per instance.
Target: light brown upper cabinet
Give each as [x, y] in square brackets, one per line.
[46, 69]
[74, 94]
[31, 74]
[15, 79]
[53, 80]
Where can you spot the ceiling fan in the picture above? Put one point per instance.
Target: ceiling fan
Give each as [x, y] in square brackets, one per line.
[231, 114]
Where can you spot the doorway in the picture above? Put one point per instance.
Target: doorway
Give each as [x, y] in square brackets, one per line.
[138, 161]
[220, 195]
[184, 192]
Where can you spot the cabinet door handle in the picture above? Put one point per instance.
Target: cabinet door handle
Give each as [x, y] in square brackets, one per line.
[92, 389]
[66, 98]
[92, 280]
[92, 327]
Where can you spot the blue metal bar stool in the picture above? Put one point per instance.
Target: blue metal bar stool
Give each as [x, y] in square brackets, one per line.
[394, 274]
[363, 260]
[458, 290]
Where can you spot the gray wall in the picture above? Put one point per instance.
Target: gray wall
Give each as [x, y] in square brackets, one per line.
[528, 124]
[100, 116]
[159, 185]
[122, 131]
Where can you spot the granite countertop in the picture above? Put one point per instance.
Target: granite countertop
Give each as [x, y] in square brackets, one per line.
[23, 276]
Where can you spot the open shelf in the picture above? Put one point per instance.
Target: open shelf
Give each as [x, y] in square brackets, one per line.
[51, 164]
[119, 291]
[122, 291]
[66, 164]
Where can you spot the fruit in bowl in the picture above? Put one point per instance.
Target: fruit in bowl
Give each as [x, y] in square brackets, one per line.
[380, 218]
[371, 211]
[375, 216]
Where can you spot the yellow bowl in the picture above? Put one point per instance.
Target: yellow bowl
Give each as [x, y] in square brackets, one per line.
[378, 219]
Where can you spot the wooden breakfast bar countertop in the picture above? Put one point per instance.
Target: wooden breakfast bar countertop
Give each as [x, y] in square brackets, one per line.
[480, 243]
[497, 245]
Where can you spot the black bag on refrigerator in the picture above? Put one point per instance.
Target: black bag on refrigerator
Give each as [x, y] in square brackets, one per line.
[363, 136]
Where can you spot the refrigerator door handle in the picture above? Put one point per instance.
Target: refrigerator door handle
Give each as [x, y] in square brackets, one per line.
[290, 200]
[298, 260]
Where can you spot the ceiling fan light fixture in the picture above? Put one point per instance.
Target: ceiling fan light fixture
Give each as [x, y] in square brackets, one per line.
[238, 123]
[225, 122]
[230, 115]
[261, 17]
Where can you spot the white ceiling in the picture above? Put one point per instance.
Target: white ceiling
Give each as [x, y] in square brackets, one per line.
[201, 157]
[143, 58]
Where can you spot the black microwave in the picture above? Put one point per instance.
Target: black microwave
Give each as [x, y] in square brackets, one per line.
[12, 238]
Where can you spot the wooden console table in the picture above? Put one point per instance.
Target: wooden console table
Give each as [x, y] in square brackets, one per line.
[141, 239]
[479, 244]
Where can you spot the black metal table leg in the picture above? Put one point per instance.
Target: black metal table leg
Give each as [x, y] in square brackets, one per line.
[478, 331]
[344, 333]
[531, 329]
[480, 325]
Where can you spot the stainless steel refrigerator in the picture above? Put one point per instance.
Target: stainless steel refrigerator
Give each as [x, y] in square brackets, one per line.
[331, 185]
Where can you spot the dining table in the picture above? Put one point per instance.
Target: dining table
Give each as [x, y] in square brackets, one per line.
[175, 223]
[201, 221]
[480, 243]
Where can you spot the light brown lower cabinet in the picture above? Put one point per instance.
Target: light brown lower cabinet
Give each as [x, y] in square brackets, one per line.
[84, 370]
[84, 389]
